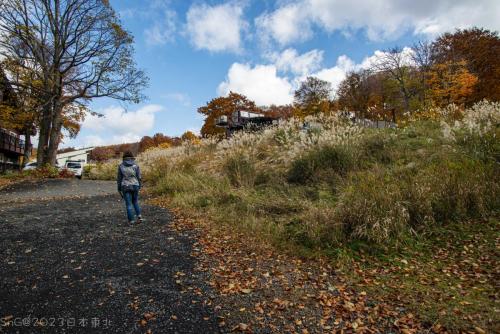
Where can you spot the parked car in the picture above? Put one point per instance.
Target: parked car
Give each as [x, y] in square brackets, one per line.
[76, 167]
[31, 165]
[34, 165]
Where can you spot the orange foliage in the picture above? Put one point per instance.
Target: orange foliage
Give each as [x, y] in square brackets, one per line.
[190, 136]
[450, 83]
[480, 48]
[223, 106]
[282, 112]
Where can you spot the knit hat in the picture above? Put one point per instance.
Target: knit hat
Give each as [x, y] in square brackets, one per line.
[128, 154]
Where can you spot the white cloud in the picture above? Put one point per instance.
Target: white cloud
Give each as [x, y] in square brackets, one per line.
[163, 30]
[290, 61]
[180, 98]
[287, 24]
[260, 83]
[119, 126]
[216, 28]
[337, 73]
[160, 19]
[380, 19]
[92, 140]
[344, 65]
[127, 13]
[264, 85]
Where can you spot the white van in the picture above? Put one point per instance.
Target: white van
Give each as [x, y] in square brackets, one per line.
[76, 167]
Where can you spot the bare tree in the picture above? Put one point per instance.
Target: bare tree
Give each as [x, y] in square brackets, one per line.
[397, 65]
[78, 50]
[422, 56]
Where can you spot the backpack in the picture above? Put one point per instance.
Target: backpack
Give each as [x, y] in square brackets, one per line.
[129, 177]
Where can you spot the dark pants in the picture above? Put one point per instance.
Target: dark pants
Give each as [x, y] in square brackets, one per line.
[132, 202]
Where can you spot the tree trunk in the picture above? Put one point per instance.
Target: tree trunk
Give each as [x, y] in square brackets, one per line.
[55, 134]
[43, 139]
[27, 147]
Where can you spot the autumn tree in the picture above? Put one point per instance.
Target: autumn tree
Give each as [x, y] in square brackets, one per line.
[79, 52]
[353, 93]
[160, 138]
[146, 143]
[450, 83]
[396, 64]
[189, 136]
[312, 97]
[280, 112]
[480, 49]
[101, 154]
[368, 95]
[431, 74]
[220, 106]
[19, 110]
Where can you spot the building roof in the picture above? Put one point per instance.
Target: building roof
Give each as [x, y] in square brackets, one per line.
[74, 153]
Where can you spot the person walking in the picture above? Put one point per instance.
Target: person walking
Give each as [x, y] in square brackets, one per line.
[129, 182]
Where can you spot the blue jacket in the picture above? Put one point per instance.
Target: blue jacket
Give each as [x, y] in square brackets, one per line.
[129, 175]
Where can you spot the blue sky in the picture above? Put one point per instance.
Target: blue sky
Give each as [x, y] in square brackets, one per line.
[193, 51]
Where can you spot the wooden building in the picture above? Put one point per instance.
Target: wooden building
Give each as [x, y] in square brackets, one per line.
[11, 145]
[242, 119]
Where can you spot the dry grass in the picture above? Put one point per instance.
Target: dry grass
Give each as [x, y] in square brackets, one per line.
[350, 193]
[336, 183]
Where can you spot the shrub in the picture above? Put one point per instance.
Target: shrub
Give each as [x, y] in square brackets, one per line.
[315, 228]
[386, 206]
[239, 170]
[459, 189]
[484, 146]
[104, 171]
[478, 131]
[328, 158]
[371, 208]
[376, 147]
[66, 174]
[43, 172]
[87, 169]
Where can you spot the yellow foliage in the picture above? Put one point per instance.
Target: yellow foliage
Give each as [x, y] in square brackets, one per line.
[163, 145]
[316, 108]
[450, 83]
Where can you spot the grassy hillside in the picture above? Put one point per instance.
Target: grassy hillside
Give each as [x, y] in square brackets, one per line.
[351, 193]
[335, 184]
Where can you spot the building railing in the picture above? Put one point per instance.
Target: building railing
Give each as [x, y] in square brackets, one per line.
[11, 143]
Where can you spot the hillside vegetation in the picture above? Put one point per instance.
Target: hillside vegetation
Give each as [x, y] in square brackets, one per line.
[330, 184]
[422, 191]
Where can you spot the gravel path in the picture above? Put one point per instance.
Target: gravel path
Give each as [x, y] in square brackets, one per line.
[56, 188]
[73, 264]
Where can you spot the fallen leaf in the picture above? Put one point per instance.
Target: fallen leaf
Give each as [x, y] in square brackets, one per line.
[8, 318]
[240, 327]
